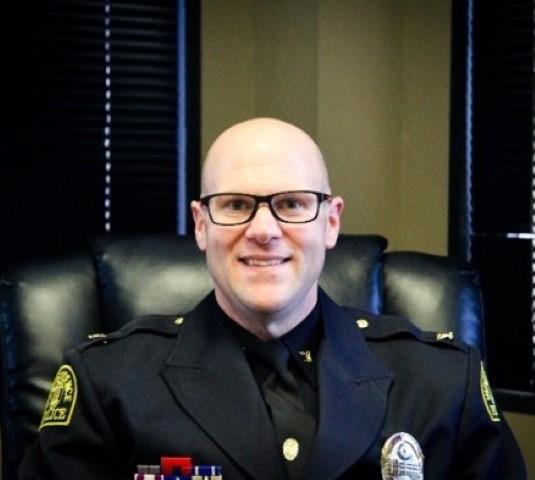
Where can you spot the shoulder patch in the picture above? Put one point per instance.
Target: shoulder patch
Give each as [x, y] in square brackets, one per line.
[61, 399]
[488, 397]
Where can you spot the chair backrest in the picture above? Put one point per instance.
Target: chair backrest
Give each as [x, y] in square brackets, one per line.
[49, 304]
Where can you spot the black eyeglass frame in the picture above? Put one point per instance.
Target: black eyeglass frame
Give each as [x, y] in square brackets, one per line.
[258, 199]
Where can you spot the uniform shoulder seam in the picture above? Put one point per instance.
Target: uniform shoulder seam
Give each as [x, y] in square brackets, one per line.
[166, 325]
[386, 327]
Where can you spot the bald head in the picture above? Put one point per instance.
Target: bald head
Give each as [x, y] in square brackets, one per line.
[260, 147]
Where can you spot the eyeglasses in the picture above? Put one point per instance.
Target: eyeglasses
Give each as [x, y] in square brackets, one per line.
[296, 206]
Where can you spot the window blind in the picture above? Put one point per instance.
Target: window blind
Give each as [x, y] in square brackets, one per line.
[498, 188]
[92, 113]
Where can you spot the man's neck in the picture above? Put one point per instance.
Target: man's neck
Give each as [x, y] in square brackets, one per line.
[268, 326]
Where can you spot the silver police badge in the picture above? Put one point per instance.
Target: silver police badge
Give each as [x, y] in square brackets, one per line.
[402, 458]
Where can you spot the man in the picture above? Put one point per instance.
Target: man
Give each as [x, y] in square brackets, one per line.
[267, 377]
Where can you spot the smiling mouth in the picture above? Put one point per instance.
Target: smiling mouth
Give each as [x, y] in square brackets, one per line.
[263, 262]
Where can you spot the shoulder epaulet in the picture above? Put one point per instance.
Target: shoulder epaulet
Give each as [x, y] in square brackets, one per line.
[383, 327]
[167, 325]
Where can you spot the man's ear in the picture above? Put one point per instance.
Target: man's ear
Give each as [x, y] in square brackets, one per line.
[200, 224]
[334, 215]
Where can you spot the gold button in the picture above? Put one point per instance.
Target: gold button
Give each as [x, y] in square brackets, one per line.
[290, 449]
[363, 323]
[179, 320]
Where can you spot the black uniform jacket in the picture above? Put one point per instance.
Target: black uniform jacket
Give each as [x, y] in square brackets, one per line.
[162, 386]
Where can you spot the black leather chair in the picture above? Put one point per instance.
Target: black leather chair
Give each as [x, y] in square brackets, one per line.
[48, 304]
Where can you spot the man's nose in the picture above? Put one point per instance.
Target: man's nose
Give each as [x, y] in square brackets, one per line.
[263, 227]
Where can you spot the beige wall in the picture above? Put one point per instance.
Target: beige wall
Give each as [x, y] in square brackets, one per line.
[227, 65]
[369, 79]
[523, 427]
[359, 114]
[425, 125]
[383, 112]
[257, 60]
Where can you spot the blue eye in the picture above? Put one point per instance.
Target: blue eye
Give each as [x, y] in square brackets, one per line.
[233, 203]
[289, 204]
[238, 205]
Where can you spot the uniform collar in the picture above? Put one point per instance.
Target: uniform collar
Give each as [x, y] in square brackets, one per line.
[303, 341]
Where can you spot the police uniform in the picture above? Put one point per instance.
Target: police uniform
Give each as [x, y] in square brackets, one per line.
[182, 386]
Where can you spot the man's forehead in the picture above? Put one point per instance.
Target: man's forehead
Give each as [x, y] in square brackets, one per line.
[262, 146]
[261, 135]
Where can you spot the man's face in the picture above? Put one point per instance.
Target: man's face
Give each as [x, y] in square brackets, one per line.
[266, 267]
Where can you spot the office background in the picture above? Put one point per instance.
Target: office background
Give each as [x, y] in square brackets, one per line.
[101, 130]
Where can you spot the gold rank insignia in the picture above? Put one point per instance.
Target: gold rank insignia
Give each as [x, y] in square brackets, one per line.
[488, 397]
[61, 399]
[445, 335]
[307, 356]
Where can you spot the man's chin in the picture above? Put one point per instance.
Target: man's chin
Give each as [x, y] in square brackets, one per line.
[267, 301]
[266, 306]
[274, 300]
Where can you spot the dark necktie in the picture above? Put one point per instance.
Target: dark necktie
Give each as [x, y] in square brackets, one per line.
[294, 426]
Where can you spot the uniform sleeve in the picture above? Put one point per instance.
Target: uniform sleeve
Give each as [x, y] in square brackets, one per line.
[75, 438]
[487, 448]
